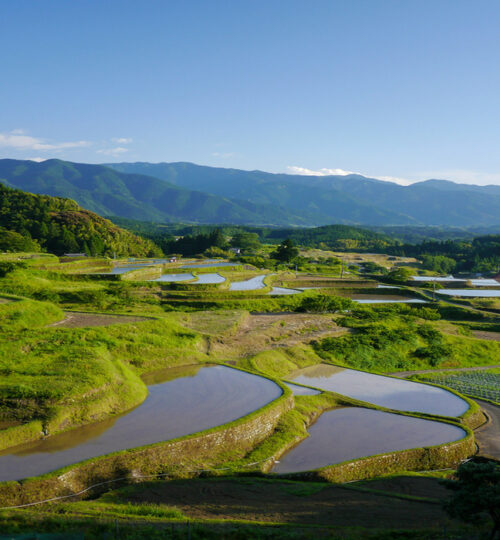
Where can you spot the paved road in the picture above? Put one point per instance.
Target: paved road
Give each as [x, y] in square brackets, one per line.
[488, 435]
[423, 371]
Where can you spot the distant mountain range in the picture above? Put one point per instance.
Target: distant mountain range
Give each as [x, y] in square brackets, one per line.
[185, 192]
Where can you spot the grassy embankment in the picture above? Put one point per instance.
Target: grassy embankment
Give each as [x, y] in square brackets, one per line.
[55, 378]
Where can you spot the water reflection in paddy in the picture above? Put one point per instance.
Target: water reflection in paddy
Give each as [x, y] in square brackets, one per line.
[209, 264]
[251, 284]
[180, 401]
[344, 434]
[209, 278]
[283, 290]
[175, 277]
[302, 390]
[384, 391]
[486, 293]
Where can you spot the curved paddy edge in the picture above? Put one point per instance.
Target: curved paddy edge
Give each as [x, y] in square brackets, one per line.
[178, 456]
[446, 455]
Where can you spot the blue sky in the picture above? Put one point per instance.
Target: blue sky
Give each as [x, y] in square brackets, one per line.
[402, 89]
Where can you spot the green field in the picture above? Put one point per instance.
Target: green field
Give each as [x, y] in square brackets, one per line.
[69, 358]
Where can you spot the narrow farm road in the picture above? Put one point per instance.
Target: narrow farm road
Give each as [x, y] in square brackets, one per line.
[488, 435]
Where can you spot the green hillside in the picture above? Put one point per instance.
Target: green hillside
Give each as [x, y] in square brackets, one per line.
[350, 199]
[59, 226]
[137, 196]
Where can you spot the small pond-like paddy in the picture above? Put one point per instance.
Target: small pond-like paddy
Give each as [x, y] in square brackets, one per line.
[209, 278]
[175, 277]
[475, 282]
[384, 391]
[209, 264]
[471, 293]
[349, 433]
[284, 290]
[180, 401]
[251, 284]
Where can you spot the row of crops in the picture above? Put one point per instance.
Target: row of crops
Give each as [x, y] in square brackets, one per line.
[476, 383]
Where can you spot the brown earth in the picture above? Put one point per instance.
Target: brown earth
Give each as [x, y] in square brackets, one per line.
[262, 332]
[75, 319]
[257, 500]
[414, 486]
[481, 334]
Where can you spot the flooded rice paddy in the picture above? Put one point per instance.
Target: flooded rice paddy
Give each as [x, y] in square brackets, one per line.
[284, 290]
[471, 293]
[209, 278]
[251, 284]
[476, 282]
[175, 277]
[302, 390]
[180, 401]
[384, 391]
[349, 433]
[209, 264]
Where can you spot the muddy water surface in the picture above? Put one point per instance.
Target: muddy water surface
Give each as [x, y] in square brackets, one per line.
[344, 434]
[180, 401]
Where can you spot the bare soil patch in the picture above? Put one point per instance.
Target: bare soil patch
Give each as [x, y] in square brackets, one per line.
[261, 332]
[254, 499]
[492, 336]
[75, 319]
[414, 486]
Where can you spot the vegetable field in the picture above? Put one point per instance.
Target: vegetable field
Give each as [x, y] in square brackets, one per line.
[480, 384]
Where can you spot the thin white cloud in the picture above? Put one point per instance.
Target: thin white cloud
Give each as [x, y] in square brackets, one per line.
[113, 151]
[19, 141]
[223, 154]
[122, 140]
[293, 169]
[37, 159]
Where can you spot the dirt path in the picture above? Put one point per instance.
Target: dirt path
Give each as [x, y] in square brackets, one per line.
[483, 334]
[272, 330]
[423, 371]
[75, 319]
[488, 435]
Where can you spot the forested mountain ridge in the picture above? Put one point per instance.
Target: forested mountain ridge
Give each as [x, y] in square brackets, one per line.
[111, 193]
[432, 202]
[61, 226]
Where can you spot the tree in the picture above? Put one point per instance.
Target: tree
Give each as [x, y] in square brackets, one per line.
[286, 251]
[248, 242]
[477, 490]
[399, 275]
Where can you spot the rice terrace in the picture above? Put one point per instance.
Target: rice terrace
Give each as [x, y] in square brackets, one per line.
[119, 382]
[249, 270]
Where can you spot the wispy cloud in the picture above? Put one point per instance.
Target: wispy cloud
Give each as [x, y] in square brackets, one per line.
[122, 140]
[19, 141]
[293, 169]
[37, 159]
[223, 154]
[113, 151]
